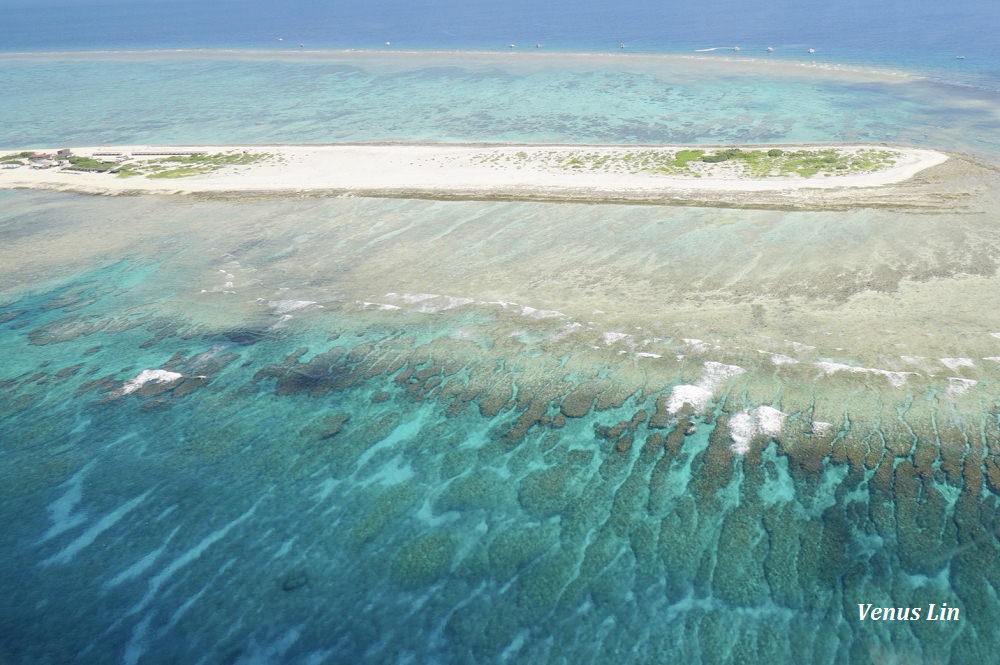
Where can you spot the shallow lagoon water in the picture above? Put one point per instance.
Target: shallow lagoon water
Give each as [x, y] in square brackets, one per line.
[210, 97]
[417, 431]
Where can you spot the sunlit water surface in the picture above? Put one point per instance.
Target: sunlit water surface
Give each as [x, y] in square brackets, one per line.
[419, 431]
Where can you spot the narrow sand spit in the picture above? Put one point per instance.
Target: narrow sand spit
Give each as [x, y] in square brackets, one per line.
[464, 171]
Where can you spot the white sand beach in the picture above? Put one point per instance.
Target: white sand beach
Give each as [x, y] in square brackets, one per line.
[469, 171]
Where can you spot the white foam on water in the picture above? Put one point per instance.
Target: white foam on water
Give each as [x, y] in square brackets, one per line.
[700, 393]
[778, 358]
[541, 313]
[430, 303]
[741, 432]
[280, 323]
[144, 377]
[896, 379]
[205, 356]
[66, 554]
[995, 359]
[955, 363]
[747, 424]
[286, 306]
[694, 395]
[820, 428]
[228, 278]
[996, 334]
[613, 337]
[716, 373]
[769, 420]
[62, 510]
[646, 354]
[957, 386]
[831, 368]
[564, 331]
[913, 360]
[412, 298]
[380, 306]
[445, 303]
[696, 345]
[526, 310]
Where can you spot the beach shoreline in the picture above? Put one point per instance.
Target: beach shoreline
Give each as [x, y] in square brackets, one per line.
[478, 171]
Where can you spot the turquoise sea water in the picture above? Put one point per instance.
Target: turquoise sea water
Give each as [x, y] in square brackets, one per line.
[437, 432]
[334, 97]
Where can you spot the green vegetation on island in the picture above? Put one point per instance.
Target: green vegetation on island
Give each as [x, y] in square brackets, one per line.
[183, 166]
[694, 162]
[150, 165]
[90, 164]
[16, 157]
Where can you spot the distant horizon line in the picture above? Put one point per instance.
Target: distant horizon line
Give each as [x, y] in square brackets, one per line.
[771, 50]
[713, 54]
[799, 60]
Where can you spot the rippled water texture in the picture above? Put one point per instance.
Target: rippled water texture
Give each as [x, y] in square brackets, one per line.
[313, 98]
[362, 430]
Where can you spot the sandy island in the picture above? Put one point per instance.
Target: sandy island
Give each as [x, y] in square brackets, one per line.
[517, 172]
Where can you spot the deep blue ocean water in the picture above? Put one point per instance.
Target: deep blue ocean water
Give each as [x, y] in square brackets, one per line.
[894, 31]
[403, 431]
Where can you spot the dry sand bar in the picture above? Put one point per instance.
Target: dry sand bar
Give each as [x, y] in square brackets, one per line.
[645, 174]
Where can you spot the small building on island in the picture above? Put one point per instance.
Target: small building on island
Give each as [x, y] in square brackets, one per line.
[42, 161]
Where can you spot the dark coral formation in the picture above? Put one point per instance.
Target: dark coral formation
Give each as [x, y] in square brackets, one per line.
[786, 540]
[592, 489]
